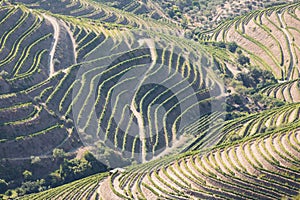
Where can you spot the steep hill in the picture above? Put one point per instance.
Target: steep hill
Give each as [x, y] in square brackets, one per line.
[263, 168]
[78, 76]
[203, 14]
[268, 36]
[258, 168]
[62, 84]
[99, 12]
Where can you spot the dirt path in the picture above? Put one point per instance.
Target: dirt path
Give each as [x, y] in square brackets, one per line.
[138, 115]
[141, 126]
[56, 28]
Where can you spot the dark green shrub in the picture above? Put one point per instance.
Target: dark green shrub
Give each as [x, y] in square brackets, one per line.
[232, 46]
[27, 175]
[243, 60]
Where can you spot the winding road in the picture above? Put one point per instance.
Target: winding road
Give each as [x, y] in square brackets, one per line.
[56, 28]
[151, 44]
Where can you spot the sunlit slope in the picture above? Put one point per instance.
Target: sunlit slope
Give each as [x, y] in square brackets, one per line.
[265, 168]
[145, 8]
[76, 79]
[117, 95]
[87, 9]
[27, 126]
[141, 94]
[287, 91]
[269, 36]
[259, 168]
[23, 61]
[250, 125]
[82, 189]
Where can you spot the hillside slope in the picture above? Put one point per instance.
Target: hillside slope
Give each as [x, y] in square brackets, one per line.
[257, 168]
[99, 12]
[269, 36]
[76, 75]
[61, 86]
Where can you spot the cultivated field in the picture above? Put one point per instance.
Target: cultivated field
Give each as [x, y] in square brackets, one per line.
[151, 104]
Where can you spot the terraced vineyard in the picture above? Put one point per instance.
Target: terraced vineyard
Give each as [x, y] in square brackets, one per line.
[16, 64]
[116, 126]
[101, 13]
[43, 94]
[146, 8]
[250, 125]
[258, 168]
[24, 63]
[275, 48]
[288, 91]
[82, 189]
[32, 82]
[79, 76]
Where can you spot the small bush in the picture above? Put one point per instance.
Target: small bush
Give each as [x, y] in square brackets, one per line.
[243, 60]
[232, 46]
[59, 153]
[27, 175]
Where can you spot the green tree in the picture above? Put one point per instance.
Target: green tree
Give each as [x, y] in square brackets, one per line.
[221, 45]
[171, 13]
[97, 166]
[243, 60]
[27, 175]
[59, 153]
[232, 46]
[74, 169]
[54, 179]
[32, 187]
